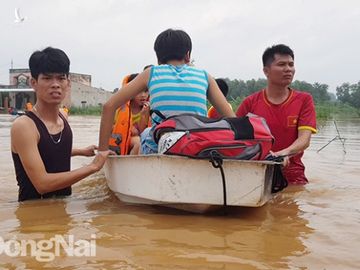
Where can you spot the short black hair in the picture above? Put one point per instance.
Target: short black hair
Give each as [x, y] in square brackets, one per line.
[147, 66]
[49, 60]
[132, 76]
[172, 45]
[269, 54]
[223, 86]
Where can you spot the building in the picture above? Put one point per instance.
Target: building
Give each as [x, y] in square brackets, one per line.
[19, 91]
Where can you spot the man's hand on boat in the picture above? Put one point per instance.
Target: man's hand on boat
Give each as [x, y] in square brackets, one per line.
[89, 151]
[282, 155]
[100, 158]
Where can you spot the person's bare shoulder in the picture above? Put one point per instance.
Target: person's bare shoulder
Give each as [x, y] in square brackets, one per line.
[22, 123]
[22, 129]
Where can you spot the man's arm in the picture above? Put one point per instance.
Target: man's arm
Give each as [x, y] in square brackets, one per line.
[86, 152]
[26, 148]
[300, 144]
[124, 94]
[217, 99]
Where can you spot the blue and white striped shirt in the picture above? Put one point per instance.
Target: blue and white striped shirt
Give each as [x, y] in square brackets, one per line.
[174, 90]
[177, 89]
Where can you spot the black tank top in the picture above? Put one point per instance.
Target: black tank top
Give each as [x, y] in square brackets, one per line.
[56, 158]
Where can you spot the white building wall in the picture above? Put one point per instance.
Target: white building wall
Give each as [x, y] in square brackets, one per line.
[84, 95]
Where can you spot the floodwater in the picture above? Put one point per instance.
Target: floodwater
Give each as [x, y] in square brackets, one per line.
[311, 227]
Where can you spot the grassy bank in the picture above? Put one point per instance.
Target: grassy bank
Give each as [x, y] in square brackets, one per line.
[88, 110]
[323, 111]
[336, 110]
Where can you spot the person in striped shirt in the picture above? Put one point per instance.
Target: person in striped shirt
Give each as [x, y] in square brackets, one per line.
[175, 87]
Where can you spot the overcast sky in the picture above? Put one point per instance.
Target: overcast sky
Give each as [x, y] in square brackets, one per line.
[109, 39]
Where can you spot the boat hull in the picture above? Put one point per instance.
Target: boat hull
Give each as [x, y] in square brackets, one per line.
[174, 180]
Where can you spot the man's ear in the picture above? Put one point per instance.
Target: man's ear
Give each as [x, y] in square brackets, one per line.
[33, 82]
[266, 71]
[69, 84]
[187, 57]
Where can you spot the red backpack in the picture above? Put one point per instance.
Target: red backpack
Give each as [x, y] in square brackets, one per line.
[244, 138]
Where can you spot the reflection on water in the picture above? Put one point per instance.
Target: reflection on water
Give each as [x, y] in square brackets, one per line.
[312, 227]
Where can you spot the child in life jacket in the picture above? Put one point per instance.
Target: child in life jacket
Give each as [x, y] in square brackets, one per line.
[130, 120]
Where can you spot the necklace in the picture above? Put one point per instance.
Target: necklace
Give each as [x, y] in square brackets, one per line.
[51, 136]
[58, 140]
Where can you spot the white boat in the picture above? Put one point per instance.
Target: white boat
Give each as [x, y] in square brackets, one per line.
[190, 184]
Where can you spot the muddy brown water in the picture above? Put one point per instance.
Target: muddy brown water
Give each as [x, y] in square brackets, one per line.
[311, 227]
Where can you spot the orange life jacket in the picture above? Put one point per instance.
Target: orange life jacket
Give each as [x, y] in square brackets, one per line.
[65, 111]
[119, 141]
[212, 112]
[29, 106]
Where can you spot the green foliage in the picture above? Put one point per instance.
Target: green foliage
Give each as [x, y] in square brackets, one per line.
[349, 94]
[318, 91]
[235, 102]
[244, 88]
[329, 110]
[88, 110]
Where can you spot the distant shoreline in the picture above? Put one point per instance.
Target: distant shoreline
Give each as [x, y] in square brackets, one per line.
[328, 110]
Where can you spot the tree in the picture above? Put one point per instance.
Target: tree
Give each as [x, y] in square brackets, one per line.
[318, 91]
[240, 88]
[343, 93]
[355, 95]
[349, 93]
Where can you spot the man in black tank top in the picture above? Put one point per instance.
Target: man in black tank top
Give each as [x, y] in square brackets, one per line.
[41, 140]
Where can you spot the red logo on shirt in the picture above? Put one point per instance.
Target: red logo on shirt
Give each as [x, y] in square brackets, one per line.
[292, 121]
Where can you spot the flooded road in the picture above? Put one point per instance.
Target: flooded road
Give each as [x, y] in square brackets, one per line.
[311, 227]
